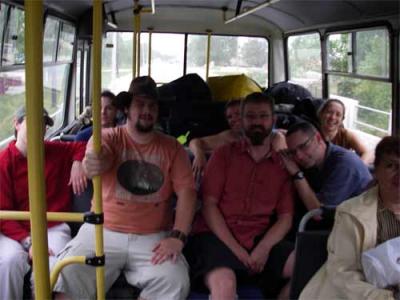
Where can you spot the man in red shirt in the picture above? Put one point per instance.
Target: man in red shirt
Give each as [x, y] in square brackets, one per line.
[244, 185]
[63, 167]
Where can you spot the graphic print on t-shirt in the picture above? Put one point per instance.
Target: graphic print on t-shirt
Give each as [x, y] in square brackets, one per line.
[140, 177]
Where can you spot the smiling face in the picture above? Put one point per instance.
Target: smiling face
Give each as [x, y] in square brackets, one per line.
[331, 117]
[232, 115]
[306, 148]
[108, 112]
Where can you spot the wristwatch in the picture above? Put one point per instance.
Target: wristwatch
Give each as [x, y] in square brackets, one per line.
[177, 234]
[26, 243]
[298, 176]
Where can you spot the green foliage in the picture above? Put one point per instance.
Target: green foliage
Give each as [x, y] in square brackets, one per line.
[338, 45]
[196, 50]
[304, 55]
[251, 53]
[223, 49]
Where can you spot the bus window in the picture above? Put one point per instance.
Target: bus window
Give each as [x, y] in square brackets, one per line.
[79, 54]
[3, 16]
[229, 55]
[339, 48]
[358, 75]
[13, 52]
[167, 61]
[66, 43]
[372, 48]
[50, 39]
[196, 54]
[117, 68]
[55, 79]
[55, 76]
[304, 61]
[12, 96]
[166, 64]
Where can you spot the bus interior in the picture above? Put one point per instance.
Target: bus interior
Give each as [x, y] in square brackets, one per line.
[202, 53]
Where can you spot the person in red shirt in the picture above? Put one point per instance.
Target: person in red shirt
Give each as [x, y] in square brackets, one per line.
[244, 185]
[63, 169]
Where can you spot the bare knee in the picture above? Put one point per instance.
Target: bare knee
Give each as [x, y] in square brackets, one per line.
[289, 266]
[221, 283]
[60, 296]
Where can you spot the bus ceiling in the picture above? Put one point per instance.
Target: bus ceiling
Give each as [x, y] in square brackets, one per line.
[266, 18]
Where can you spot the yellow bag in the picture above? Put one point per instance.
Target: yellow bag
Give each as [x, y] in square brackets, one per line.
[225, 88]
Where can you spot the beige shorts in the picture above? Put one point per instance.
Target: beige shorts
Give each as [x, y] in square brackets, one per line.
[127, 253]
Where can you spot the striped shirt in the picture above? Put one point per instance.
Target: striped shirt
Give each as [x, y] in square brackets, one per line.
[388, 224]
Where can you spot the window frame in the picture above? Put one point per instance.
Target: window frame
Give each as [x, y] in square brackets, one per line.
[286, 54]
[353, 73]
[186, 35]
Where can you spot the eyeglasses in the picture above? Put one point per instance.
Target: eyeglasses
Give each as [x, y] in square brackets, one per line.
[252, 117]
[301, 147]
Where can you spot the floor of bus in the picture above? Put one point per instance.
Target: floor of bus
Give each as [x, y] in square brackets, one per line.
[122, 290]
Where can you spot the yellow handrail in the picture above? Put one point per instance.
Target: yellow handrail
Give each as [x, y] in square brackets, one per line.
[35, 132]
[208, 53]
[96, 92]
[149, 49]
[63, 263]
[51, 216]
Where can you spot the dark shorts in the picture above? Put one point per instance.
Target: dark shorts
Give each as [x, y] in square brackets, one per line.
[205, 252]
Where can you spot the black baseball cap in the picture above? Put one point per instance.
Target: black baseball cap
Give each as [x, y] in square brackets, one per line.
[21, 113]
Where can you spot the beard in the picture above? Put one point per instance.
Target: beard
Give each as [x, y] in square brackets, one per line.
[144, 129]
[257, 134]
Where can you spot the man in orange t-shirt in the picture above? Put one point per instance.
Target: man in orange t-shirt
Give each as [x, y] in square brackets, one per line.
[141, 169]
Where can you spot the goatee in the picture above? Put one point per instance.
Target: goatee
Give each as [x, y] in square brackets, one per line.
[257, 134]
[144, 129]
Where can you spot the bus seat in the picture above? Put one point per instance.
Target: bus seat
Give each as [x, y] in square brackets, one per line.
[122, 290]
[81, 203]
[311, 252]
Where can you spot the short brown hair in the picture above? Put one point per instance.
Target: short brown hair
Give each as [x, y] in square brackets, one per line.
[232, 103]
[257, 98]
[388, 145]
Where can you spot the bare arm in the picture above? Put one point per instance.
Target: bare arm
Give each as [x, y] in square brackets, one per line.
[209, 143]
[78, 178]
[169, 247]
[215, 221]
[96, 164]
[360, 148]
[201, 146]
[185, 209]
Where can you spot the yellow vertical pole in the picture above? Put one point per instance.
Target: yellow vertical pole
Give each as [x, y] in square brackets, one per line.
[34, 119]
[96, 71]
[149, 54]
[134, 55]
[208, 53]
[134, 41]
[138, 30]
